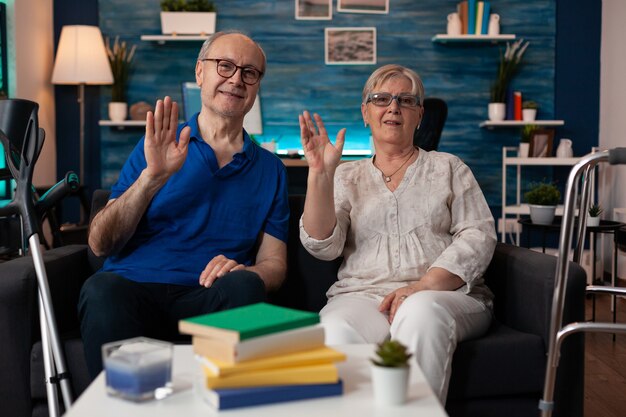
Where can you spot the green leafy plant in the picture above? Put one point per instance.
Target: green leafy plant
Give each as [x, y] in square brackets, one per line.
[527, 133]
[509, 64]
[187, 6]
[595, 210]
[543, 194]
[391, 354]
[530, 105]
[121, 58]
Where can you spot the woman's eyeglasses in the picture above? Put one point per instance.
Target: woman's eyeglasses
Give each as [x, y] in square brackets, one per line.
[226, 69]
[385, 99]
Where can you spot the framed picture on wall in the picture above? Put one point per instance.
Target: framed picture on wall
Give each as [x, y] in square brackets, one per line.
[363, 6]
[541, 143]
[314, 9]
[350, 46]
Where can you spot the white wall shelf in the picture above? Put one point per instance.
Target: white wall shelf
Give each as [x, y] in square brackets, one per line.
[443, 38]
[489, 124]
[161, 39]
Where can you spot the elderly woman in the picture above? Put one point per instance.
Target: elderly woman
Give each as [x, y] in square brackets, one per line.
[413, 228]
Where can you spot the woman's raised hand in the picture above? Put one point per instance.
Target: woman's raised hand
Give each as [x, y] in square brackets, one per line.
[164, 155]
[320, 153]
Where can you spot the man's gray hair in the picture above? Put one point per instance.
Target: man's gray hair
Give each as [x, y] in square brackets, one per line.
[207, 44]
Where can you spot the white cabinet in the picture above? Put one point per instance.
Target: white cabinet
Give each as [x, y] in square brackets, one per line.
[512, 213]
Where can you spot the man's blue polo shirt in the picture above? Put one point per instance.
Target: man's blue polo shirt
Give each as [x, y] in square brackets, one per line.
[203, 211]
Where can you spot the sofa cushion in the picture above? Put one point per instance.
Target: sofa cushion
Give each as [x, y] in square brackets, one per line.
[503, 362]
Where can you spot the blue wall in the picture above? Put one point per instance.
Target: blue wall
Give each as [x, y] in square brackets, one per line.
[298, 79]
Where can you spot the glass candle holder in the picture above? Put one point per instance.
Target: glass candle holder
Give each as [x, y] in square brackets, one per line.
[137, 369]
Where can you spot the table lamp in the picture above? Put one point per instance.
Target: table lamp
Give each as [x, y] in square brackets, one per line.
[81, 59]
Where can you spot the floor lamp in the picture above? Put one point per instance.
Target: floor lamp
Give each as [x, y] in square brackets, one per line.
[81, 59]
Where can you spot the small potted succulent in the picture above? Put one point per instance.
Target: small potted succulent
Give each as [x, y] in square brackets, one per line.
[120, 57]
[542, 199]
[187, 17]
[524, 146]
[593, 217]
[529, 111]
[390, 373]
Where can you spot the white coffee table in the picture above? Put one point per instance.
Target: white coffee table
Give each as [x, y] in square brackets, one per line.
[357, 400]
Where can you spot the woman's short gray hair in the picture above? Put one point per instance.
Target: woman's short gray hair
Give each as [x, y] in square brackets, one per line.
[387, 72]
[207, 44]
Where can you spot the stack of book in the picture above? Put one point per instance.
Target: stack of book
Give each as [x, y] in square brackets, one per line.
[474, 16]
[261, 354]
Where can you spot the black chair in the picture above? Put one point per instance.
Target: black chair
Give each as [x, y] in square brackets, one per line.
[428, 134]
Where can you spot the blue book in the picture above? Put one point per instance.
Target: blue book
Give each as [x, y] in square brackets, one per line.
[510, 108]
[227, 398]
[486, 12]
[471, 17]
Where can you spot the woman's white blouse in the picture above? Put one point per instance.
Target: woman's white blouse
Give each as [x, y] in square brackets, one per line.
[437, 217]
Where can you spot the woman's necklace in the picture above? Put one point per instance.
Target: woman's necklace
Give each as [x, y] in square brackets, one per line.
[386, 177]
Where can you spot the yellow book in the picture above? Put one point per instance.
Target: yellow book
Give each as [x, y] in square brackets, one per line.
[295, 375]
[319, 356]
[479, 17]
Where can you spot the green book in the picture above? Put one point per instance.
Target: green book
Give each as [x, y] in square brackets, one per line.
[247, 322]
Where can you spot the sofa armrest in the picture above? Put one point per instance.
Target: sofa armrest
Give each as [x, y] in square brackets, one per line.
[523, 283]
[67, 268]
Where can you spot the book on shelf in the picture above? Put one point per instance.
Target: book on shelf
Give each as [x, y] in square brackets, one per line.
[289, 341]
[323, 355]
[227, 398]
[246, 322]
[310, 374]
[510, 111]
[461, 9]
[486, 14]
[479, 18]
[471, 17]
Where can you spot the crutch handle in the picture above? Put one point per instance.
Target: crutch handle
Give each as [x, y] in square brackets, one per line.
[66, 186]
[617, 156]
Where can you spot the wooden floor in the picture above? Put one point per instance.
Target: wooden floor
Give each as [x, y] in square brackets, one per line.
[605, 365]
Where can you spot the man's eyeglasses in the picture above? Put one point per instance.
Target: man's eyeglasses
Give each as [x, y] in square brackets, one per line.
[385, 99]
[226, 69]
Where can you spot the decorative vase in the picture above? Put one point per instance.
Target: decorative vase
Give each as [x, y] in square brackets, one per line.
[565, 149]
[188, 23]
[454, 24]
[390, 384]
[542, 214]
[522, 152]
[118, 111]
[494, 24]
[593, 221]
[496, 111]
[529, 115]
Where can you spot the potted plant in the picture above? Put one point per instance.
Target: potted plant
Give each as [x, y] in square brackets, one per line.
[593, 217]
[527, 133]
[529, 111]
[120, 58]
[509, 64]
[390, 373]
[542, 199]
[187, 17]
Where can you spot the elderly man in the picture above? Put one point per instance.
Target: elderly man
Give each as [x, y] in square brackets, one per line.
[197, 221]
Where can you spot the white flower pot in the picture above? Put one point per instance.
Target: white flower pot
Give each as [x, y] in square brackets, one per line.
[542, 214]
[188, 23]
[523, 150]
[118, 111]
[593, 221]
[496, 111]
[529, 115]
[390, 384]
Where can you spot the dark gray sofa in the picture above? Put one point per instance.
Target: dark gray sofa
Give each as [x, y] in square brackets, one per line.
[499, 374]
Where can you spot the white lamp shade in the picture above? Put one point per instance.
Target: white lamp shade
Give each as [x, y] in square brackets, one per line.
[81, 57]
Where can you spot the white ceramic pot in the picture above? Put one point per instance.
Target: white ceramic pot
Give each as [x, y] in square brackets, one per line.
[529, 115]
[390, 384]
[496, 111]
[188, 23]
[523, 150]
[565, 149]
[542, 214]
[454, 24]
[494, 24]
[118, 111]
[593, 221]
